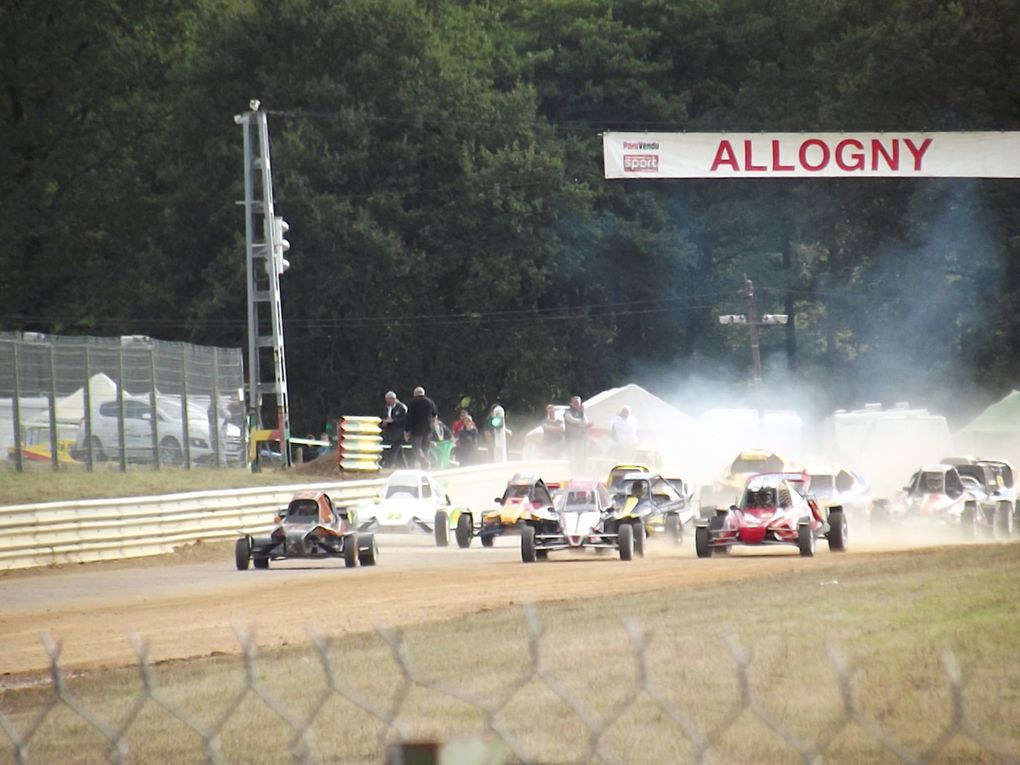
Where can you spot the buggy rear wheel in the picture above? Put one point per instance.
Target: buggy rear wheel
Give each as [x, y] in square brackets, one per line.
[674, 529]
[639, 539]
[367, 555]
[442, 529]
[528, 552]
[242, 553]
[351, 550]
[464, 531]
[837, 531]
[625, 541]
[805, 540]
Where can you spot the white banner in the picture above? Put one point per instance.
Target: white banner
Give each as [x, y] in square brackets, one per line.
[812, 155]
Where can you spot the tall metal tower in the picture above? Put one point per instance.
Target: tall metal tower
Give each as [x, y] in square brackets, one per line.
[265, 247]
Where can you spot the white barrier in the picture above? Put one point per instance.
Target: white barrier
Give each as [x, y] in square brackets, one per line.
[81, 531]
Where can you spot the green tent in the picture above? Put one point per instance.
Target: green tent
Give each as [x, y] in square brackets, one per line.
[995, 433]
[1001, 418]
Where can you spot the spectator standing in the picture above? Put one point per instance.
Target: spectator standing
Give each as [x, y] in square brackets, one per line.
[419, 425]
[552, 434]
[575, 433]
[466, 447]
[393, 417]
[623, 431]
[459, 423]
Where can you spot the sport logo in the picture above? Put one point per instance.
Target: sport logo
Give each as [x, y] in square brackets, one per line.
[641, 163]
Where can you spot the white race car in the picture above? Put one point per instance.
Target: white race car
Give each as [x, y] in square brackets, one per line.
[834, 485]
[412, 501]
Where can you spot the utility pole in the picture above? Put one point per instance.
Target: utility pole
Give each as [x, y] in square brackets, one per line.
[265, 250]
[752, 321]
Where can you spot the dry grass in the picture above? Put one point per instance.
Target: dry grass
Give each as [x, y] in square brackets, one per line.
[891, 617]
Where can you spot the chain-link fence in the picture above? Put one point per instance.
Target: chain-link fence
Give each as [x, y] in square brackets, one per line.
[125, 400]
[534, 714]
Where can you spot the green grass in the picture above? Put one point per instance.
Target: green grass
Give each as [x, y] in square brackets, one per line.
[42, 484]
[891, 617]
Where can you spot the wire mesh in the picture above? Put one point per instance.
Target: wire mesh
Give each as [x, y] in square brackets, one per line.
[128, 400]
[275, 727]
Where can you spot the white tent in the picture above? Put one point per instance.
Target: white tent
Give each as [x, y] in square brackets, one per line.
[661, 426]
[71, 408]
[657, 421]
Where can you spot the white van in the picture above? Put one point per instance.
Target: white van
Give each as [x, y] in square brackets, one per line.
[141, 431]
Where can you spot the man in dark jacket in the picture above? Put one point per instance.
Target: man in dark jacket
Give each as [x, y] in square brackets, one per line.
[393, 416]
[419, 424]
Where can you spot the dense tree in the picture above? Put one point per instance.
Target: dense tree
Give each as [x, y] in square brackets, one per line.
[440, 163]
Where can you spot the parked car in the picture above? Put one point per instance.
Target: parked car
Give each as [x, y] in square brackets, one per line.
[36, 446]
[141, 431]
[309, 527]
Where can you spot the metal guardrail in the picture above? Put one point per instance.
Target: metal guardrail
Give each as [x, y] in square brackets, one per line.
[82, 531]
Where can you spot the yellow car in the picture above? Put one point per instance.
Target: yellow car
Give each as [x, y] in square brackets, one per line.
[524, 495]
[726, 490]
[617, 472]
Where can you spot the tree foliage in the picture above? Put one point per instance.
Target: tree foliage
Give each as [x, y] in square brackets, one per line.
[440, 164]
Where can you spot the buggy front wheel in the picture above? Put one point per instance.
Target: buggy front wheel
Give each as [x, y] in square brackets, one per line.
[625, 541]
[528, 552]
[351, 550]
[242, 553]
[701, 543]
[464, 531]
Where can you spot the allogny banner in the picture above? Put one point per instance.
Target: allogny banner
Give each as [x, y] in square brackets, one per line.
[812, 155]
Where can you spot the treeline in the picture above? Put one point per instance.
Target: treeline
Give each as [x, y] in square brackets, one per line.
[440, 164]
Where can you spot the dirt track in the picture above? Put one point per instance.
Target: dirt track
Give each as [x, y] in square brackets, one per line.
[189, 605]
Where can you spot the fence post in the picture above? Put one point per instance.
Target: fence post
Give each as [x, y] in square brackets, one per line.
[185, 414]
[121, 435]
[86, 397]
[54, 436]
[214, 419]
[153, 406]
[16, 410]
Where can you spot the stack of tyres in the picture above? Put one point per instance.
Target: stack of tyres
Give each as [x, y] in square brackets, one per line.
[361, 444]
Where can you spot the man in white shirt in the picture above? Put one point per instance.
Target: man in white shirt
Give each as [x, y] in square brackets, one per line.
[623, 431]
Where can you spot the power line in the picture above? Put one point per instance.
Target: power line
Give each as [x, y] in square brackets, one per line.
[578, 313]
